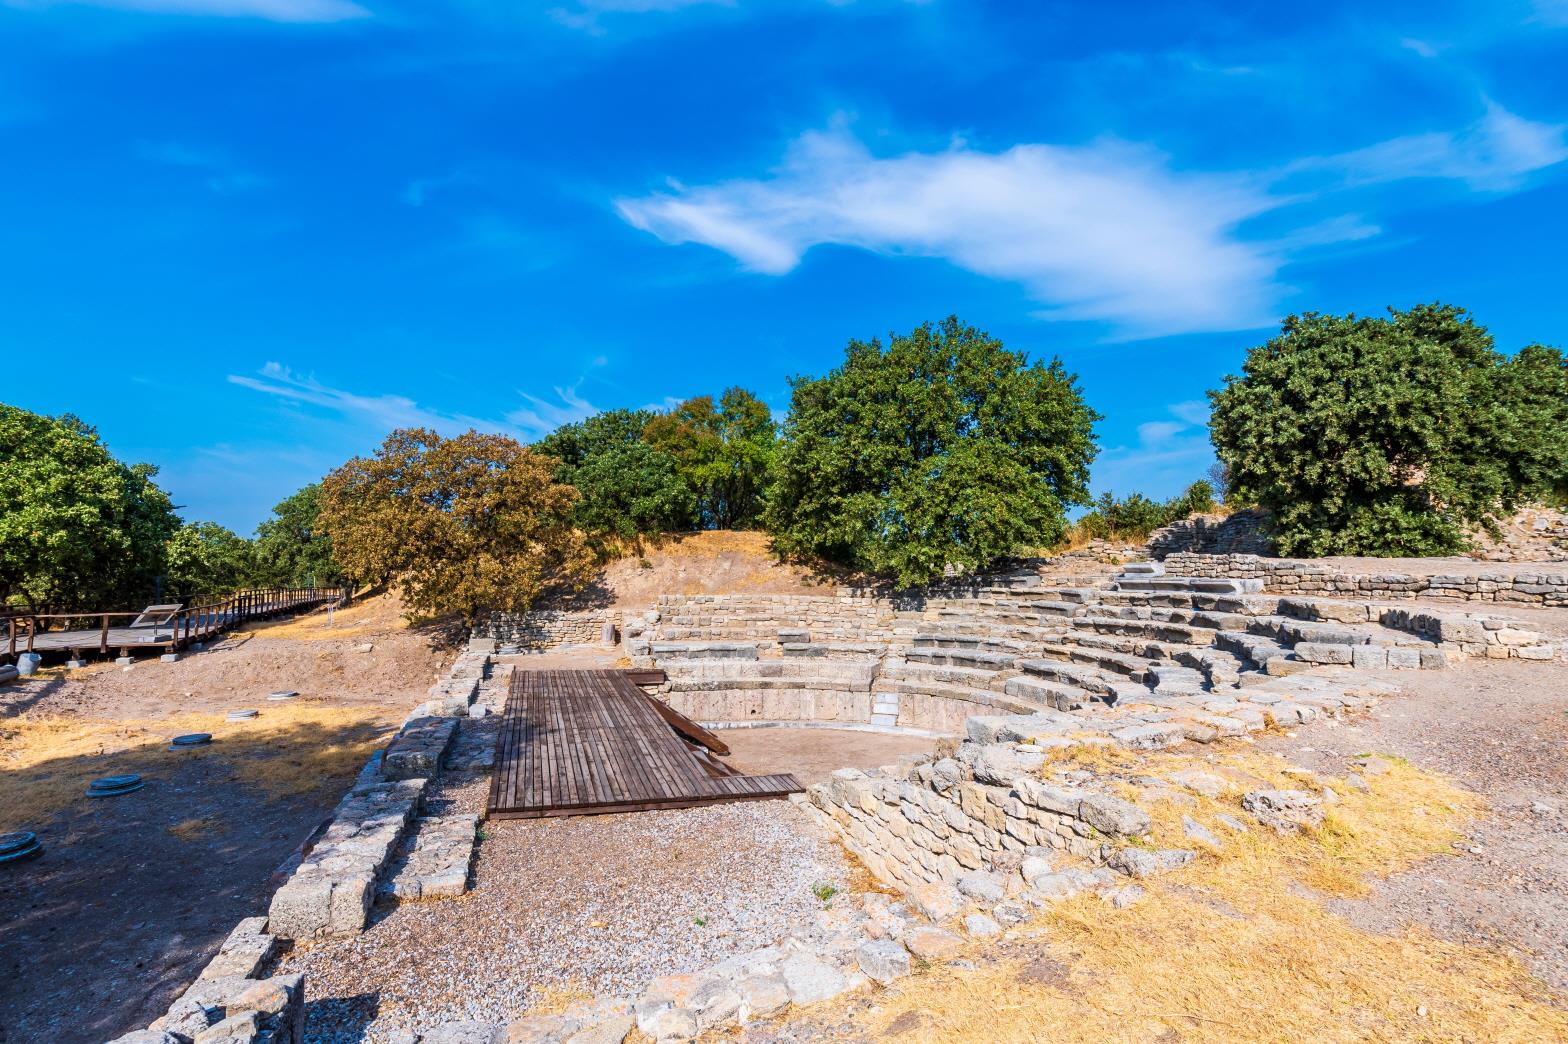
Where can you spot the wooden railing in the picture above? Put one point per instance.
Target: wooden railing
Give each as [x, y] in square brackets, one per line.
[29, 632]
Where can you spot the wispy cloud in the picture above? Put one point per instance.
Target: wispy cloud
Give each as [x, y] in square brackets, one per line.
[1494, 154]
[270, 10]
[1169, 455]
[1105, 231]
[221, 176]
[536, 418]
[1109, 231]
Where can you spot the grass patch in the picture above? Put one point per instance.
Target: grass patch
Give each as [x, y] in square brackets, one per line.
[291, 749]
[193, 829]
[1239, 946]
[553, 1000]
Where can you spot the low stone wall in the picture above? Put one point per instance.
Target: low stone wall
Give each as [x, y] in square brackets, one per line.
[1243, 533]
[547, 628]
[1294, 576]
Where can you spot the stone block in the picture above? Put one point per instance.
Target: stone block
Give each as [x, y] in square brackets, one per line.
[244, 953]
[1323, 652]
[1112, 815]
[883, 960]
[932, 944]
[1142, 862]
[1404, 659]
[936, 901]
[1369, 657]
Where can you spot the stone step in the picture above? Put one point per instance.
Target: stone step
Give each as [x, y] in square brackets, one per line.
[1058, 695]
[972, 634]
[962, 658]
[833, 650]
[703, 650]
[1090, 679]
[973, 677]
[1158, 630]
[1118, 663]
[1249, 648]
[1001, 701]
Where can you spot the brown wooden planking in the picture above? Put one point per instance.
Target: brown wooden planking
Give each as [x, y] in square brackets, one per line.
[686, 727]
[582, 742]
[648, 676]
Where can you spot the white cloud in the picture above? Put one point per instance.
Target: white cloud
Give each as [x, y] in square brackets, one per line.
[1106, 231]
[664, 405]
[221, 176]
[383, 413]
[1420, 47]
[1491, 155]
[1170, 455]
[270, 10]
[1193, 411]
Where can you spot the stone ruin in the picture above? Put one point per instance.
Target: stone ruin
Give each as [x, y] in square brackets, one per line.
[974, 837]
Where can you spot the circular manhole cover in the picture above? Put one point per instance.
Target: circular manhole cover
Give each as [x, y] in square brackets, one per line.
[282, 694]
[113, 786]
[18, 845]
[191, 739]
[242, 715]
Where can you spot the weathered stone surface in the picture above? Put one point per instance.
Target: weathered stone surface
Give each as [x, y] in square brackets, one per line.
[882, 960]
[433, 862]
[150, 1037]
[1196, 831]
[810, 979]
[932, 944]
[469, 1032]
[1284, 810]
[331, 892]
[418, 748]
[982, 886]
[243, 953]
[1142, 862]
[981, 926]
[1112, 815]
[936, 901]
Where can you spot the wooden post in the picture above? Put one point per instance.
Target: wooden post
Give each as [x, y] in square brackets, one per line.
[103, 636]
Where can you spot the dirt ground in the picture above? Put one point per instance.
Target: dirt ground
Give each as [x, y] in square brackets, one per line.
[133, 894]
[1499, 728]
[814, 754]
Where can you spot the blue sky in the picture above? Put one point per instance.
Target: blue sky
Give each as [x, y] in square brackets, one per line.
[246, 238]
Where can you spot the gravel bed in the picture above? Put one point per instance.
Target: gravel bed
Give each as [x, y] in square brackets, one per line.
[601, 904]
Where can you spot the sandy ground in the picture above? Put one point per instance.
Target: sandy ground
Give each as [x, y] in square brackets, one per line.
[1499, 728]
[814, 754]
[120, 913]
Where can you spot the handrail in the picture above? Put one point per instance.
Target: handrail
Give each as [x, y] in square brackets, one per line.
[193, 623]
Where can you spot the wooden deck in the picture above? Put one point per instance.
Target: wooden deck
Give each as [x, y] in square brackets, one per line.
[586, 742]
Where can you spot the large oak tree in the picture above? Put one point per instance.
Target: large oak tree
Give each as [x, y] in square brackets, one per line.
[941, 448]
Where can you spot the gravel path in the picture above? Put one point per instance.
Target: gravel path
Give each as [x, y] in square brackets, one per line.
[1500, 727]
[598, 903]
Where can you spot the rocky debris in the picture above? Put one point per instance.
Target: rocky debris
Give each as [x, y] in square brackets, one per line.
[434, 859]
[1143, 862]
[332, 891]
[232, 1010]
[883, 960]
[1196, 831]
[1284, 810]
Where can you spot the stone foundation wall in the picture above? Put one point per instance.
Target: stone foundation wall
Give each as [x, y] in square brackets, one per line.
[1244, 533]
[1293, 576]
[547, 628]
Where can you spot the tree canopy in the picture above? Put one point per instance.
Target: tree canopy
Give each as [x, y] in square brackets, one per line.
[1390, 436]
[462, 525]
[627, 487]
[291, 549]
[725, 454]
[204, 558]
[78, 528]
[942, 448]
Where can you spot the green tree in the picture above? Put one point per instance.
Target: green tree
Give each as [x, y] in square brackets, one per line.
[472, 523]
[204, 558]
[1390, 436]
[291, 549]
[726, 454]
[627, 488]
[78, 529]
[1137, 516]
[941, 448]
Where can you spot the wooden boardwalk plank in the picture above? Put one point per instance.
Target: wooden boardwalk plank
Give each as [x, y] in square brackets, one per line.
[584, 742]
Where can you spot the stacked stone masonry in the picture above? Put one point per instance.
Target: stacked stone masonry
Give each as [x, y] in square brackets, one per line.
[546, 628]
[1291, 576]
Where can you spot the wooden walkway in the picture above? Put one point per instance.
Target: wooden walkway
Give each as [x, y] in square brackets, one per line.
[585, 742]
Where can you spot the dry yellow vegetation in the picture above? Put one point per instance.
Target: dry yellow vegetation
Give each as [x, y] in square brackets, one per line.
[290, 749]
[1239, 946]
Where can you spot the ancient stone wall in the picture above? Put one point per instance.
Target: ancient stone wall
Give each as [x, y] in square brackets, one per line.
[1244, 532]
[1294, 576]
[546, 628]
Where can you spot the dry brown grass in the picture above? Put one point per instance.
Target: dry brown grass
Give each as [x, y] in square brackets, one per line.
[374, 612]
[290, 749]
[191, 829]
[1238, 946]
[553, 1000]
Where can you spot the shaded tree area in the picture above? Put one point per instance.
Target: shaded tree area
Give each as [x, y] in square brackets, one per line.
[461, 525]
[291, 549]
[940, 449]
[78, 528]
[627, 488]
[1391, 436]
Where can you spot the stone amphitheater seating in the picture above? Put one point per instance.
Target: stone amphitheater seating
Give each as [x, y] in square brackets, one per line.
[1144, 660]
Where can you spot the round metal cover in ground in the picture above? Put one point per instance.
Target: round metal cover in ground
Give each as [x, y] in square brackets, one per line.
[113, 786]
[19, 845]
[242, 715]
[282, 694]
[191, 739]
